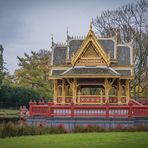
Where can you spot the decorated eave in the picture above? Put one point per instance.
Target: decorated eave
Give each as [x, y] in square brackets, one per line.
[90, 72]
[87, 72]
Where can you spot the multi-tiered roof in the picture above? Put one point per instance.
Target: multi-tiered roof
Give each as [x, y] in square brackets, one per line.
[117, 59]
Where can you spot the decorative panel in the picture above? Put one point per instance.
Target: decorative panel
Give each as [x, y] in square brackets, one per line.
[123, 100]
[59, 100]
[68, 100]
[90, 100]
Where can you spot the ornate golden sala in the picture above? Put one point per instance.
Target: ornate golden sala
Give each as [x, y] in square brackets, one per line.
[90, 77]
[90, 53]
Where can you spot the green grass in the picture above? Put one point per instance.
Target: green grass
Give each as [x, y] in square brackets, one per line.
[8, 113]
[84, 140]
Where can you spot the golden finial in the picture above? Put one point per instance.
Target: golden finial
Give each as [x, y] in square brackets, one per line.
[90, 27]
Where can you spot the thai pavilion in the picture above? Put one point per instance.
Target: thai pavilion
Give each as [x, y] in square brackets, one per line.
[91, 70]
[91, 86]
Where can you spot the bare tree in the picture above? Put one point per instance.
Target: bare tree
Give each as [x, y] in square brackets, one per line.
[129, 23]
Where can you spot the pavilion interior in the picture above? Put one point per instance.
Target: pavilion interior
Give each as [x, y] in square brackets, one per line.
[91, 91]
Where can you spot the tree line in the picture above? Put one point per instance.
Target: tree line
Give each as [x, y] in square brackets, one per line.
[29, 81]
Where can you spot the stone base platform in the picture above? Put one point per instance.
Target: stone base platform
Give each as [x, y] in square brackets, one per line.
[69, 123]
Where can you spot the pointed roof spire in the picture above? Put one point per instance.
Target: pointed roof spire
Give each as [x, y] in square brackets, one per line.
[51, 37]
[67, 41]
[67, 31]
[52, 40]
[90, 26]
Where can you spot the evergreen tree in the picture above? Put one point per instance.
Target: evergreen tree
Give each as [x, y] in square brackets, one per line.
[34, 71]
[1, 65]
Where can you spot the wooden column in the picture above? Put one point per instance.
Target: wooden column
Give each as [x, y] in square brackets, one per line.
[79, 93]
[63, 91]
[119, 91]
[127, 89]
[106, 90]
[55, 91]
[101, 93]
[108, 86]
[74, 96]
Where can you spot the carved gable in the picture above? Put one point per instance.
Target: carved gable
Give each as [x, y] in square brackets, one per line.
[90, 57]
[90, 53]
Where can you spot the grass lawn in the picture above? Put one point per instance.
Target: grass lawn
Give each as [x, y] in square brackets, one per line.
[84, 140]
[8, 113]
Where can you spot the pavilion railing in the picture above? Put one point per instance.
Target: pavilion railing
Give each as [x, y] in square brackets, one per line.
[52, 110]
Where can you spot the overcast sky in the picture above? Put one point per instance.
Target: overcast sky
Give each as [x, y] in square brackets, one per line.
[27, 25]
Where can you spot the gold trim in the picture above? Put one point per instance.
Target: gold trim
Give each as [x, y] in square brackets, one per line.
[61, 65]
[127, 77]
[90, 76]
[54, 77]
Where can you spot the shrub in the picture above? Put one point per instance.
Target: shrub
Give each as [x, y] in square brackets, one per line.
[56, 129]
[8, 129]
[141, 127]
[94, 128]
[119, 128]
[130, 129]
[11, 129]
[88, 128]
[79, 129]
[61, 129]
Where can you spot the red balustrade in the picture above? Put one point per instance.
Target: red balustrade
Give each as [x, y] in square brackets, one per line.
[52, 110]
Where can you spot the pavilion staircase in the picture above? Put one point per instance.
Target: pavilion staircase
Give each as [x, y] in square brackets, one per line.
[134, 102]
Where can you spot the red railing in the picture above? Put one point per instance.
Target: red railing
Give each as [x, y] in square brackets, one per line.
[52, 110]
